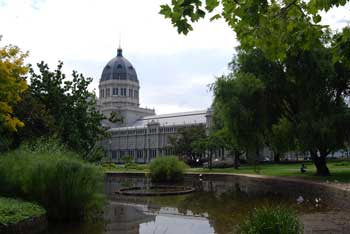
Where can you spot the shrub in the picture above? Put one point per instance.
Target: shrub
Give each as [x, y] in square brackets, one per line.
[272, 220]
[167, 169]
[126, 159]
[65, 185]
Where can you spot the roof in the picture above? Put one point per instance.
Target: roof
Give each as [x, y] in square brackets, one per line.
[175, 119]
[119, 68]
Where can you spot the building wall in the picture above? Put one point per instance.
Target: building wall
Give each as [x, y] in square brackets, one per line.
[143, 144]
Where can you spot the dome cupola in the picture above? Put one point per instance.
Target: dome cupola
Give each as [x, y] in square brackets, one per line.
[119, 68]
[119, 91]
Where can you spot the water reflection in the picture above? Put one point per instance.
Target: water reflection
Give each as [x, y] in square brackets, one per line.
[216, 208]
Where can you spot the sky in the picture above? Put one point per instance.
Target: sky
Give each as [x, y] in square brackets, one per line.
[174, 70]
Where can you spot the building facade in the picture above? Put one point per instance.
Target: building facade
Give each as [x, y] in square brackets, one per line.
[138, 132]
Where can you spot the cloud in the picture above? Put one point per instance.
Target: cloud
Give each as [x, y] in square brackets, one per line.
[173, 69]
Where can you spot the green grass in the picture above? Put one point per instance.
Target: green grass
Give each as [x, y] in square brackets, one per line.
[111, 167]
[13, 211]
[340, 170]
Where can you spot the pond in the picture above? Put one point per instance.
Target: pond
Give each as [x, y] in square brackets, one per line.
[217, 206]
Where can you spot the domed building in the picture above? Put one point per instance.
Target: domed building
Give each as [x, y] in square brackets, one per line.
[119, 91]
[137, 131]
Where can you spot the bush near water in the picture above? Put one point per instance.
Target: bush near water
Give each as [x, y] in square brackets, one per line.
[272, 220]
[67, 187]
[167, 169]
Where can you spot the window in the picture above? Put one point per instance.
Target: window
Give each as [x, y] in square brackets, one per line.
[130, 93]
[123, 91]
[153, 153]
[136, 94]
[107, 92]
[102, 94]
[115, 91]
[119, 66]
[114, 154]
[139, 154]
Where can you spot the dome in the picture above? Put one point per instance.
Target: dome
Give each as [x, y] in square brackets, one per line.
[119, 68]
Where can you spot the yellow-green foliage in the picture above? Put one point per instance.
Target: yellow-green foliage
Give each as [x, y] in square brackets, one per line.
[66, 186]
[14, 211]
[12, 84]
[167, 169]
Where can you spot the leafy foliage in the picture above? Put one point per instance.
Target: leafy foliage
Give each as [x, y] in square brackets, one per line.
[275, 27]
[294, 104]
[68, 188]
[12, 84]
[167, 169]
[186, 142]
[60, 107]
[14, 211]
[272, 220]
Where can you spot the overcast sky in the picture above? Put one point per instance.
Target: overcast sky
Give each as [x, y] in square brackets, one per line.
[174, 70]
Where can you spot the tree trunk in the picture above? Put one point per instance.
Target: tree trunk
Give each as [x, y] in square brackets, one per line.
[277, 157]
[210, 163]
[320, 163]
[236, 163]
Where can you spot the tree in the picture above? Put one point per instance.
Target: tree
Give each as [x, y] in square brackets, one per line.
[282, 138]
[240, 102]
[315, 105]
[274, 27]
[183, 142]
[12, 84]
[315, 67]
[299, 105]
[68, 108]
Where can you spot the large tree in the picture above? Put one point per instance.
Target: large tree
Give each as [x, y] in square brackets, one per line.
[312, 71]
[300, 101]
[63, 108]
[12, 84]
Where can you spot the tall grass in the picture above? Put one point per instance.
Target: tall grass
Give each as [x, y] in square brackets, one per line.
[272, 220]
[167, 169]
[66, 186]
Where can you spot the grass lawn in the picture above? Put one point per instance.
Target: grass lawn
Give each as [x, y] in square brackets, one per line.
[13, 210]
[133, 167]
[340, 170]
